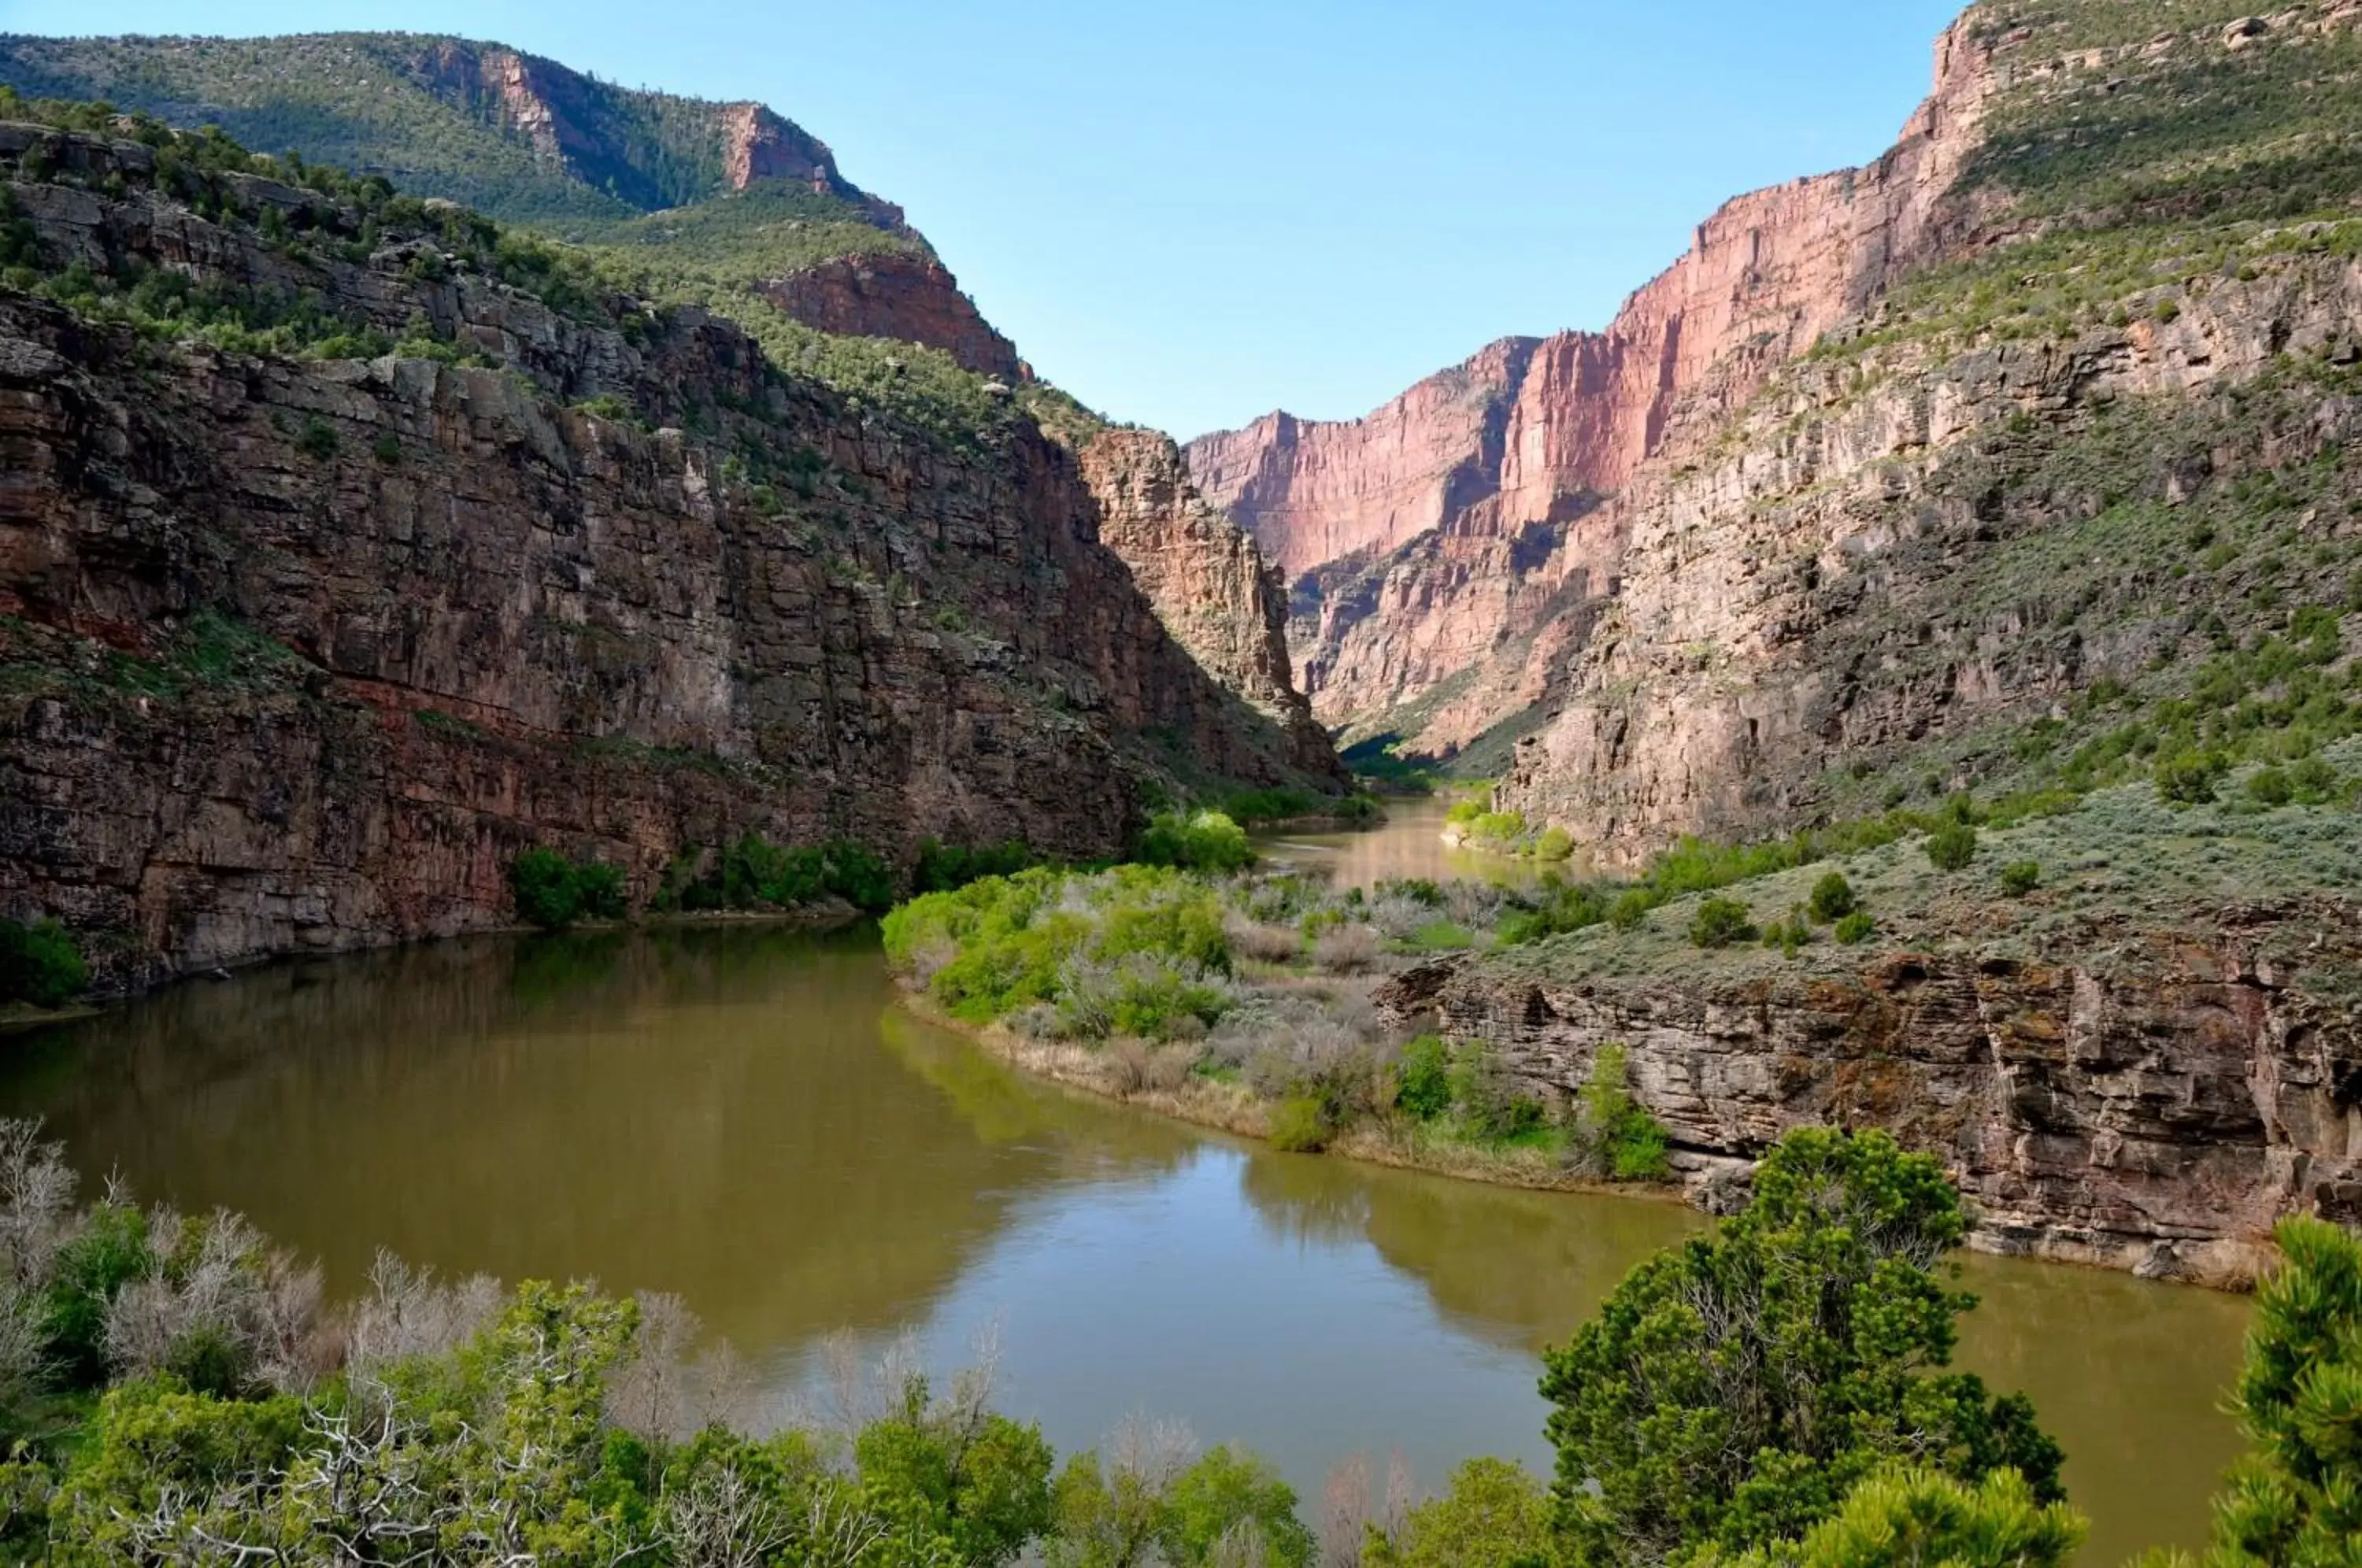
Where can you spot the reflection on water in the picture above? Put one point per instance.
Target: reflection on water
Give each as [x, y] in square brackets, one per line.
[740, 1115]
[1410, 844]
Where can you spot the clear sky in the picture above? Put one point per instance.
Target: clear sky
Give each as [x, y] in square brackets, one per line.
[1188, 214]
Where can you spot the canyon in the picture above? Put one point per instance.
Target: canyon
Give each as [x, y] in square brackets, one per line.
[299, 652]
[1503, 460]
[530, 140]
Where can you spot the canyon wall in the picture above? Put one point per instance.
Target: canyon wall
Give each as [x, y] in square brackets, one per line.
[895, 294]
[1208, 582]
[1502, 453]
[2155, 1107]
[1893, 550]
[296, 655]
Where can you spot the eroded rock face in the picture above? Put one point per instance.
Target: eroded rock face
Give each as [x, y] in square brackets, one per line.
[1208, 582]
[2158, 1111]
[910, 297]
[571, 120]
[298, 655]
[1502, 452]
[1799, 594]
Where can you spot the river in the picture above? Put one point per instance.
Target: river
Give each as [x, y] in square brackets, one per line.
[741, 1115]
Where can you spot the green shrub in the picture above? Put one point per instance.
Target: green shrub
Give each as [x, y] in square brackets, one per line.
[1613, 1134]
[2313, 780]
[1251, 807]
[39, 964]
[1136, 948]
[2020, 877]
[386, 448]
[1631, 910]
[598, 891]
[1498, 827]
[1856, 928]
[1721, 922]
[754, 874]
[542, 884]
[553, 892]
[112, 1249]
[1496, 1514]
[1423, 1079]
[1951, 846]
[1834, 898]
[1731, 1390]
[1789, 935]
[318, 438]
[1490, 1106]
[944, 867]
[1555, 843]
[2270, 786]
[1299, 1125]
[2190, 778]
[1208, 841]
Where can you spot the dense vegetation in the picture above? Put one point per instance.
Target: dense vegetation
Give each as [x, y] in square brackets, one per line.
[39, 964]
[414, 108]
[1251, 993]
[708, 259]
[755, 874]
[553, 892]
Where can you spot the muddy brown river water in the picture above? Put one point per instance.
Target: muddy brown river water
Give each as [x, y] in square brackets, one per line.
[742, 1116]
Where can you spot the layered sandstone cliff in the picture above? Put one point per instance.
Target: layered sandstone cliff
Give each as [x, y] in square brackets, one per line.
[296, 654]
[1499, 454]
[1889, 557]
[2155, 1107]
[895, 294]
[1207, 580]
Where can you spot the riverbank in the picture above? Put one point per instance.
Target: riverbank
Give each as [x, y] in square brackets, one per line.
[1144, 1075]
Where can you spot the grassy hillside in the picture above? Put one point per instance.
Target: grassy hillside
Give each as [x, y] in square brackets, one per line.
[415, 108]
[2136, 148]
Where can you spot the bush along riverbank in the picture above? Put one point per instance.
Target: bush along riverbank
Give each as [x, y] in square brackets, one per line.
[1244, 1001]
[1776, 1394]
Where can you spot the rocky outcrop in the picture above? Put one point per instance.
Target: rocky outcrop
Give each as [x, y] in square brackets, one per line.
[1208, 582]
[2155, 1110]
[1886, 552]
[586, 127]
[297, 653]
[1509, 446]
[895, 294]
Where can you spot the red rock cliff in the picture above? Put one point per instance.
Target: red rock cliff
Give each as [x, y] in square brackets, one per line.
[914, 298]
[1518, 437]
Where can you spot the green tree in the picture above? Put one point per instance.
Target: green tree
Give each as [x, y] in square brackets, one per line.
[1497, 1514]
[1834, 898]
[1146, 1506]
[2295, 1499]
[1732, 1389]
[1721, 922]
[982, 1480]
[1951, 846]
[1902, 1517]
[545, 888]
[40, 964]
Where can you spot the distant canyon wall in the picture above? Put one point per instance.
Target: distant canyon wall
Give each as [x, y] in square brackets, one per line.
[1453, 516]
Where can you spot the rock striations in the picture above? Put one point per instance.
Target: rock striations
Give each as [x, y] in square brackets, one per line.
[1497, 458]
[296, 654]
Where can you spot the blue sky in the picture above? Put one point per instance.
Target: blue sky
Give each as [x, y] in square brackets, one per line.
[1190, 215]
